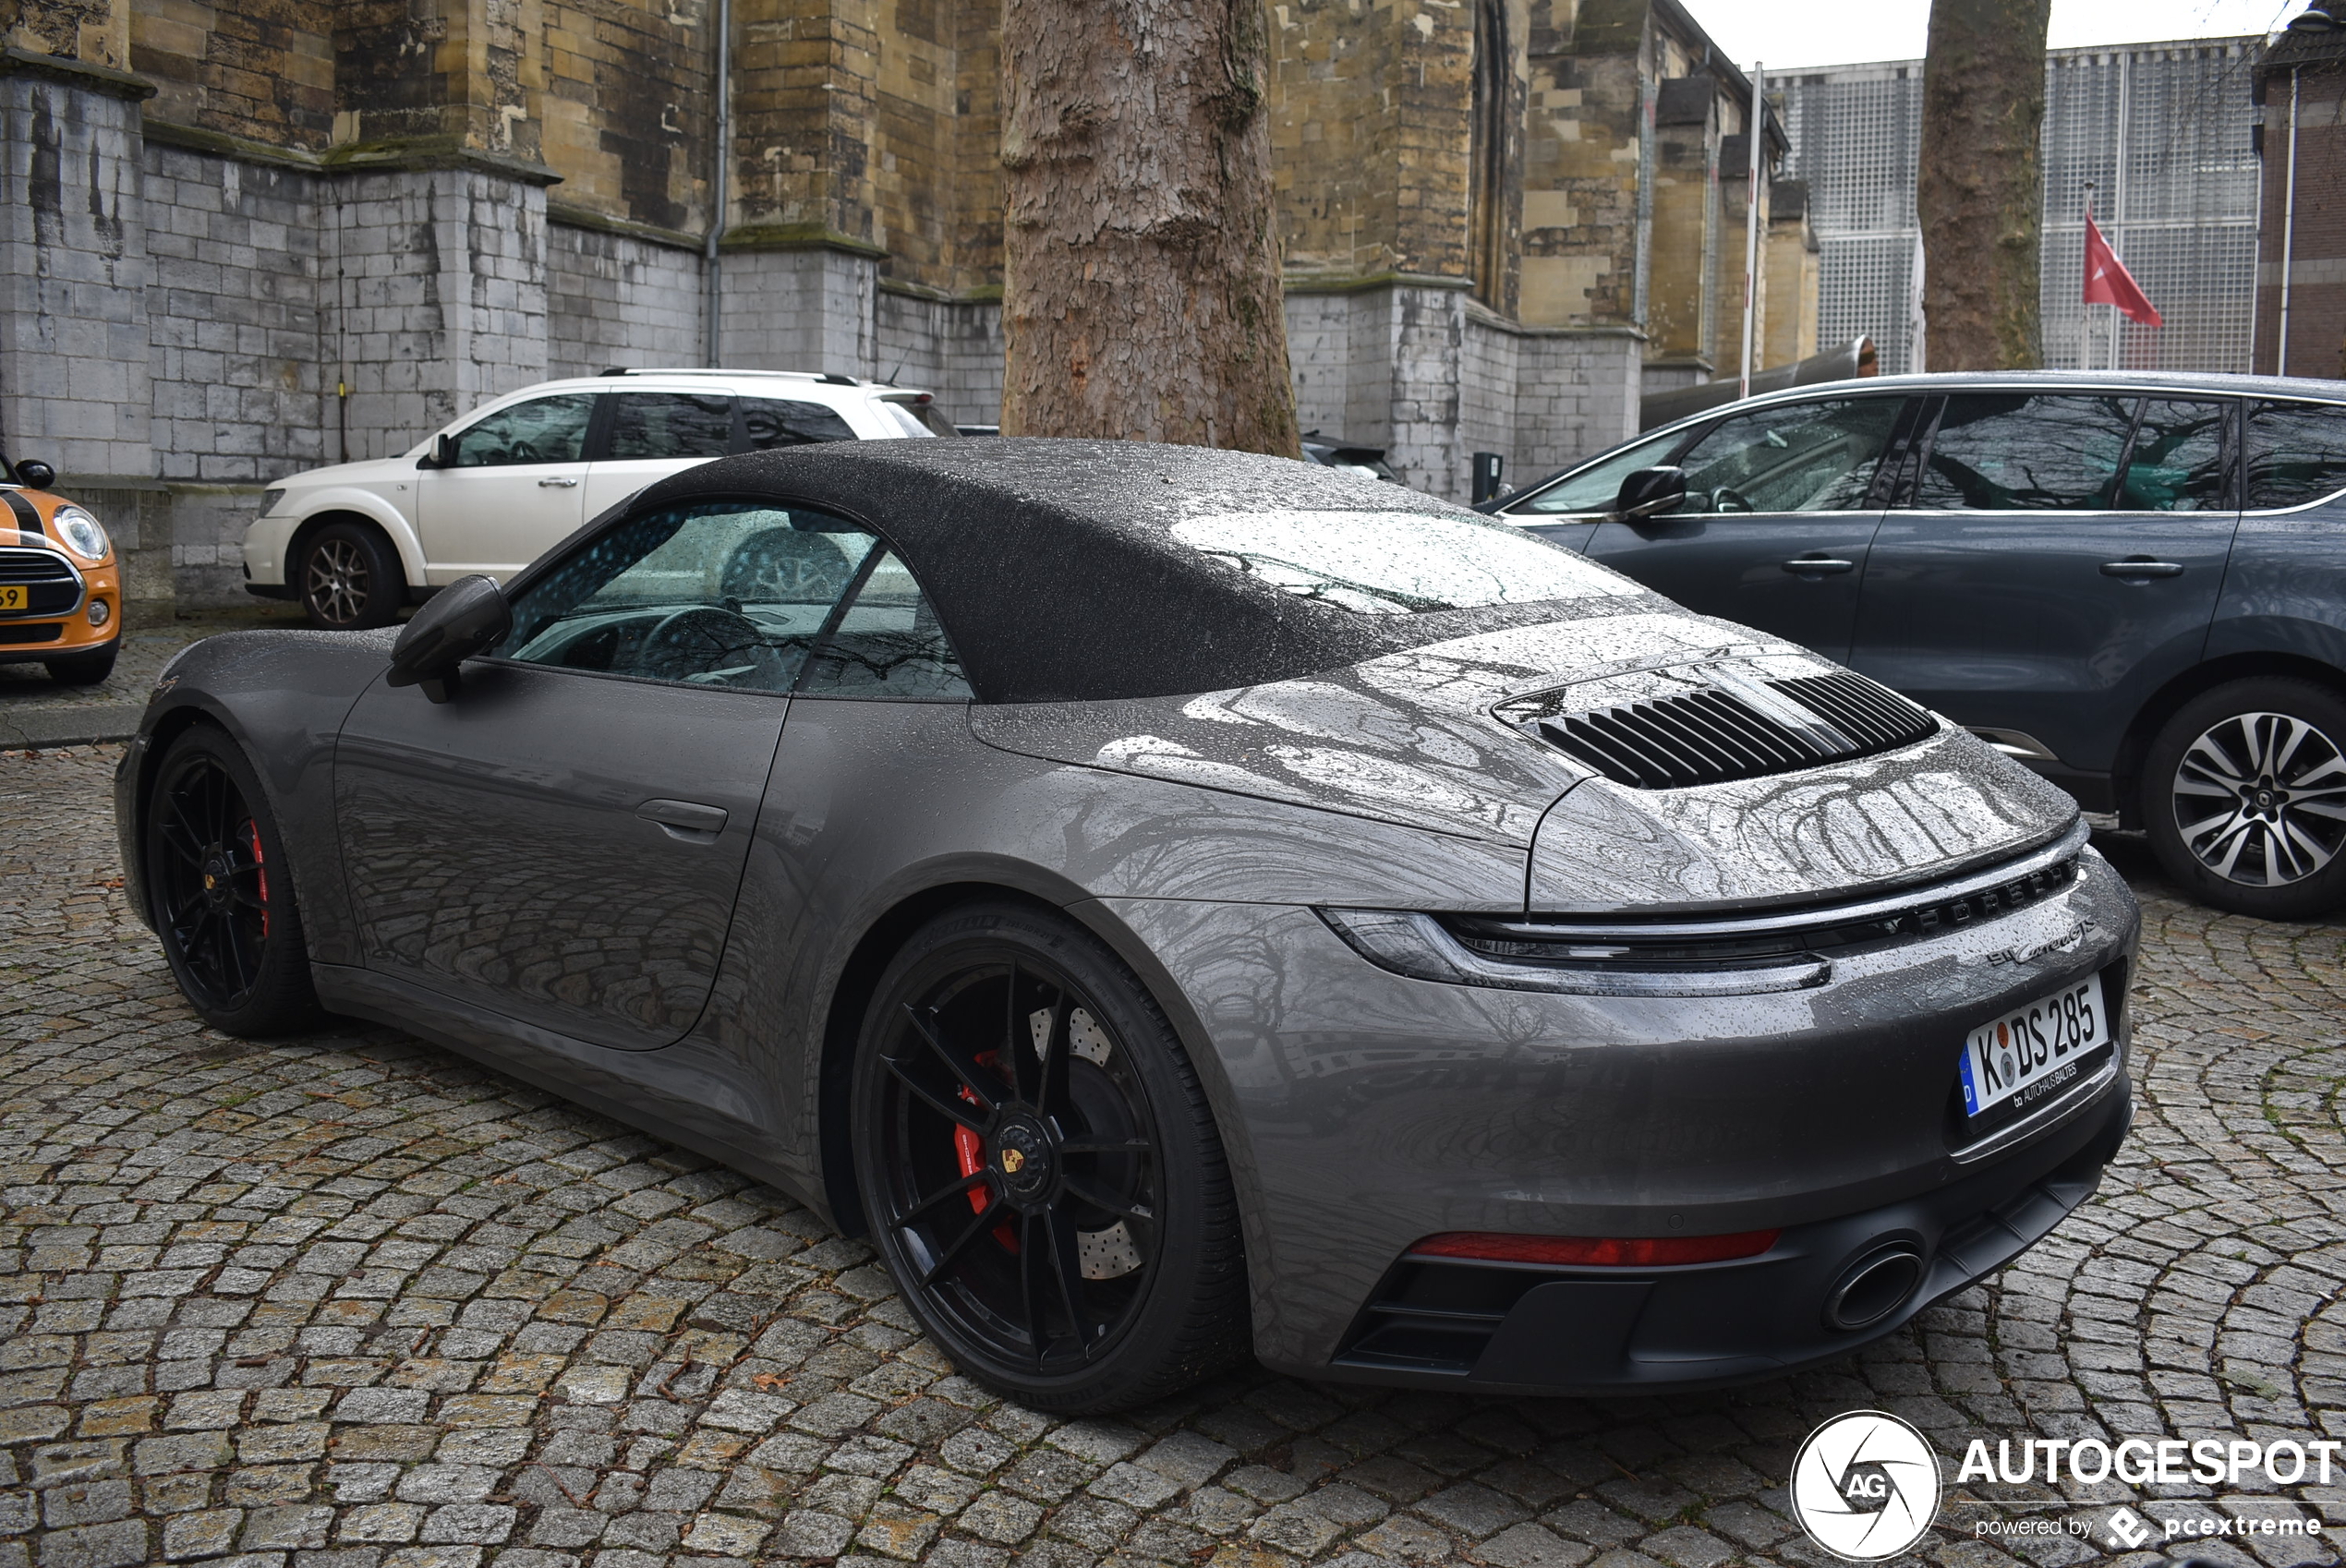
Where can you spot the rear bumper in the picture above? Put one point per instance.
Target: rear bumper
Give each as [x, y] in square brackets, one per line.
[1507, 1328]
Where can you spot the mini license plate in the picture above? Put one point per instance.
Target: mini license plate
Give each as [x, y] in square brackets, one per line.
[15, 596]
[2034, 1052]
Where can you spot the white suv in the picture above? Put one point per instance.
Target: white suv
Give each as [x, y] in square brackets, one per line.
[493, 492]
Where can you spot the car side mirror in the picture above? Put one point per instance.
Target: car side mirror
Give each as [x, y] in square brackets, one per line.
[464, 618]
[35, 475]
[442, 453]
[1650, 492]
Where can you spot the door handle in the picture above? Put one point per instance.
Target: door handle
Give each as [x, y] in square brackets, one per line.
[554, 483]
[1823, 566]
[687, 820]
[2141, 566]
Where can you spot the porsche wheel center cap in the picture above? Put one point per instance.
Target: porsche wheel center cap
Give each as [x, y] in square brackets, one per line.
[1022, 1151]
[216, 878]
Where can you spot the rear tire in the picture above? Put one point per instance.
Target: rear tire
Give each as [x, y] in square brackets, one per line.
[2243, 795]
[1059, 1215]
[348, 578]
[85, 668]
[223, 891]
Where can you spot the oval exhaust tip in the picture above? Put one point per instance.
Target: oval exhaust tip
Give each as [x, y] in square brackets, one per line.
[1874, 1287]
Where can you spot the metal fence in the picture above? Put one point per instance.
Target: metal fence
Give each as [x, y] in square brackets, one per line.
[2161, 131]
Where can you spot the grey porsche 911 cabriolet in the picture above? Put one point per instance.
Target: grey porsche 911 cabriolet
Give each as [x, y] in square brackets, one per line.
[1177, 902]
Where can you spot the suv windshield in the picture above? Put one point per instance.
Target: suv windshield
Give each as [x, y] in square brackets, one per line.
[1396, 563]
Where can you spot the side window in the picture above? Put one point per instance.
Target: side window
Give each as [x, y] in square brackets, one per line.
[545, 429]
[1594, 488]
[1799, 457]
[2019, 452]
[671, 425]
[2179, 463]
[769, 422]
[2296, 453]
[724, 594]
[887, 644]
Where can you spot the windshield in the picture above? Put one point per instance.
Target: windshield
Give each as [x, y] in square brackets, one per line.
[1396, 563]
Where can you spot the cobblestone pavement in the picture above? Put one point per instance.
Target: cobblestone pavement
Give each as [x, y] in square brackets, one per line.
[351, 1302]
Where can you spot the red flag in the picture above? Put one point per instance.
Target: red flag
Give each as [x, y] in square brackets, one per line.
[2109, 283]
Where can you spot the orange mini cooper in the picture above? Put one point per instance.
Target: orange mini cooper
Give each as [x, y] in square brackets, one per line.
[60, 585]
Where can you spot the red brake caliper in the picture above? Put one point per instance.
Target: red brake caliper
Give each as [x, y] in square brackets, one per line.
[252, 832]
[970, 1151]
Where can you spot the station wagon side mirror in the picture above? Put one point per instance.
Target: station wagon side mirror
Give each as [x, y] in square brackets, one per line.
[442, 453]
[35, 475]
[1650, 492]
[464, 618]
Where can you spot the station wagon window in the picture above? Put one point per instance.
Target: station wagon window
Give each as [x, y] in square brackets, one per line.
[770, 422]
[1595, 487]
[725, 594]
[1397, 562]
[887, 644]
[652, 425]
[2179, 463]
[2020, 451]
[2296, 453]
[1798, 457]
[544, 430]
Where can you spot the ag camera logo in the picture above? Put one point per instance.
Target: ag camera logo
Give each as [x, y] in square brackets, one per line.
[1864, 1486]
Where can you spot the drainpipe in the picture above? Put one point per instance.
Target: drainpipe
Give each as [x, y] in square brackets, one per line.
[1756, 141]
[2287, 228]
[712, 265]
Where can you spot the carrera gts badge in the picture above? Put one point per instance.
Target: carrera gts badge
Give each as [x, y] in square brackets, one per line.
[2067, 942]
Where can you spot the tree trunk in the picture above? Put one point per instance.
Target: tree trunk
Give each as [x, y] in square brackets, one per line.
[1141, 294]
[1980, 192]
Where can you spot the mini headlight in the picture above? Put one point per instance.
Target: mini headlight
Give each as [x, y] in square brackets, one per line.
[81, 532]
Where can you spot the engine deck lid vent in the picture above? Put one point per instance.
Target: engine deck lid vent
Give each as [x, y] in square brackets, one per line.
[1717, 723]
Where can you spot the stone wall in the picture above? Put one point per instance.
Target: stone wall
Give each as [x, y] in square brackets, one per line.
[73, 272]
[1432, 378]
[241, 380]
[951, 347]
[616, 299]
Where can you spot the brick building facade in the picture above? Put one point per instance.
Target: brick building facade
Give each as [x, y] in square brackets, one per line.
[248, 237]
[2302, 83]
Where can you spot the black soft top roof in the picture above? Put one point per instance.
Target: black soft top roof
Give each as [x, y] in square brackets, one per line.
[1053, 568]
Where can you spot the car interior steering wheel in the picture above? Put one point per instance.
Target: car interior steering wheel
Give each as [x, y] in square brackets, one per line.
[697, 640]
[1726, 499]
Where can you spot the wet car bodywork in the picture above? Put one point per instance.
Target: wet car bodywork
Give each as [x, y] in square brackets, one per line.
[1766, 981]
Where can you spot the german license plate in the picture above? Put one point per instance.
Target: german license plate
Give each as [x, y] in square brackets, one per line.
[13, 596]
[2034, 1052]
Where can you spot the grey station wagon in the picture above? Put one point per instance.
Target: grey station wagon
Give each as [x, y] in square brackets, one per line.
[2134, 584]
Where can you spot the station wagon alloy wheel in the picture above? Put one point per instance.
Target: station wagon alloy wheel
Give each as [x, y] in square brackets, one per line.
[2260, 798]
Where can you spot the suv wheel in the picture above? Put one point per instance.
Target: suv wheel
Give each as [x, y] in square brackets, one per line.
[2244, 796]
[348, 577]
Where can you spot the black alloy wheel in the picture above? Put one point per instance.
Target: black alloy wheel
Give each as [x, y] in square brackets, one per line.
[349, 579]
[1039, 1167]
[2244, 797]
[222, 898]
